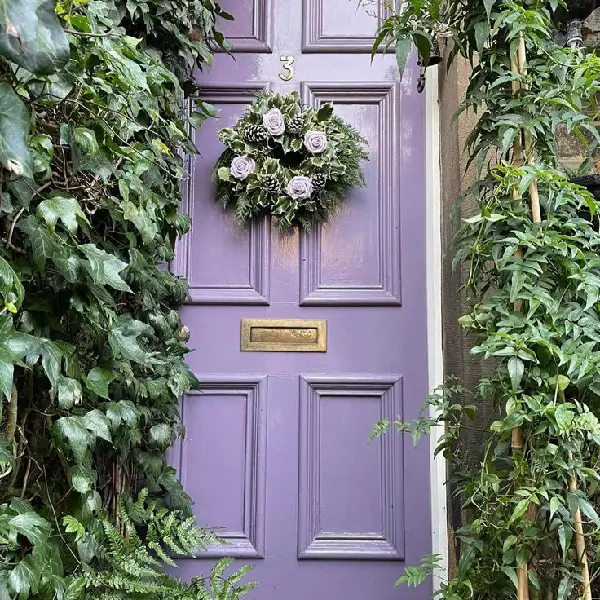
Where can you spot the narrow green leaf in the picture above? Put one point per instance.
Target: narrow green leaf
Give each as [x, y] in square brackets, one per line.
[403, 46]
[564, 588]
[482, 32]
[516, 369]
[489, 4]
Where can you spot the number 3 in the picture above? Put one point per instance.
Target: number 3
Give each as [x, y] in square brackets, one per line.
[288, 67]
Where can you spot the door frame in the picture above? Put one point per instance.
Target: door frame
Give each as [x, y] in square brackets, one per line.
[438, 500]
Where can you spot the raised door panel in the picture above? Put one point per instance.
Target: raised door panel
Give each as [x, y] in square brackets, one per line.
[240, 275]
[222, 460]
[341, 27]
[354, 259]
[250, 31]
[350, 492]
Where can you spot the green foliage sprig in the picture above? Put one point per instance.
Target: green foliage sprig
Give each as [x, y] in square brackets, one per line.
[91, 345]
[291, 161]
[533, 291]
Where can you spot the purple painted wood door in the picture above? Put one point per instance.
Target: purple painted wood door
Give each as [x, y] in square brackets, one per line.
[276, 455]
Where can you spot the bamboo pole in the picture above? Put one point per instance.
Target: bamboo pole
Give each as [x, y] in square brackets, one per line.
[580, 545]
[517, 441]
[517, 434]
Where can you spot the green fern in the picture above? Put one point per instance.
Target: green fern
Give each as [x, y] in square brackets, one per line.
[146, 539]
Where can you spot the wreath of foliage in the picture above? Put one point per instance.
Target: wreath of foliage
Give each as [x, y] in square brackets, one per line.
[91, 345]
[533, 291]
[288, 160]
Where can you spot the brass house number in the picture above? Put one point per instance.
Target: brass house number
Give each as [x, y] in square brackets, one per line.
[288, 68]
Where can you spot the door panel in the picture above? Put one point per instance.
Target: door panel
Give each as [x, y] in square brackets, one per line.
[276, 455]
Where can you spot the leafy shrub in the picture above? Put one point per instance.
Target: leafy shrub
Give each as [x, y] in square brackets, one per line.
[91, 347]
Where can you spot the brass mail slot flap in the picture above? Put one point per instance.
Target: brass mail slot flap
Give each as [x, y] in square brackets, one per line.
[284, 335]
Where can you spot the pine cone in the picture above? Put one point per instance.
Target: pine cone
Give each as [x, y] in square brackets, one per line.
[255, 134]
[296, 124]
[319, 180]
[272, 184]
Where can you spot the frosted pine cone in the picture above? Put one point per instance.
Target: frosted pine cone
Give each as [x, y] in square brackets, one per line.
[296, 124]
[319, 180]
[272, 184]
[255, 134]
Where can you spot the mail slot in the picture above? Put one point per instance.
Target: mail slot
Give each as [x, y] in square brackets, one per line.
[283, 335]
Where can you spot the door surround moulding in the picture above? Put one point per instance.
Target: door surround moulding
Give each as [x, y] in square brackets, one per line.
[439, 508]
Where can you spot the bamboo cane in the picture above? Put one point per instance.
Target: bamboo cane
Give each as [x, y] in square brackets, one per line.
[517, 441]
[580, 545]
[518, 433]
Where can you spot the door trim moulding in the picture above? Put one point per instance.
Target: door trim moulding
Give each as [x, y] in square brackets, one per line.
[439, 508]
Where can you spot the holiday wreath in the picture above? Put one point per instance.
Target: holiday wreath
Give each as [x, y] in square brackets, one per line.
[288, 160]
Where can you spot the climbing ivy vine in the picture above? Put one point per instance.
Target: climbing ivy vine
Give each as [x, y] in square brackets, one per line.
[531, 253]
[91, 345]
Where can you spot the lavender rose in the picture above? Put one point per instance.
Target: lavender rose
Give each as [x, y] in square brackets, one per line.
[242, 166]
[315, 142]
[274, 122]
[299, 187]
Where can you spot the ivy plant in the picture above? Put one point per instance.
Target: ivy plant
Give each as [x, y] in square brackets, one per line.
[92, 349]
[533, 292]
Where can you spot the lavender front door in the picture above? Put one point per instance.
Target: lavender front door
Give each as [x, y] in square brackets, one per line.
[276, 455]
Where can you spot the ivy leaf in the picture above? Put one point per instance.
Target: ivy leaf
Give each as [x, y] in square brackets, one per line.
[123, 339]
[43, 242]
[6, 373]
[104, 268]
[97, 422]
[403, 46]
[20, 344]
[98, 381]
[324, 113]
[224, 174]
[51, 361]
[68, 267]
[25, 576]
[69, 392]
[141, 218]
[123, 411]
[14, 127]
[34, 527]
[76, 434]
[161, 434]
[61, 208]
[82, 479]
[72, 525]
[32, 36]
[11, 287]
